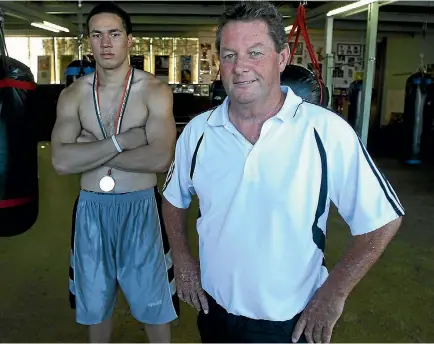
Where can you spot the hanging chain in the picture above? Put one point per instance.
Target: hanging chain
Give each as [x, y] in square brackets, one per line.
[2, 19]
[80, 30]
[3, 41]
[422, 68]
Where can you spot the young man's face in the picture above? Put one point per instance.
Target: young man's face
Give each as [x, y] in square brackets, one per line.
[109, 40]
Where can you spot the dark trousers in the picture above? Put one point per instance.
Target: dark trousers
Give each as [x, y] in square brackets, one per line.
[219, 326]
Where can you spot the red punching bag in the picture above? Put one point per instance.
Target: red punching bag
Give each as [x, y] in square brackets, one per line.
[18, 145]
[307, 84]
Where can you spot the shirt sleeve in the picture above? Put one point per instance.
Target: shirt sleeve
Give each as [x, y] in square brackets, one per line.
[364, 197]
[178, 187]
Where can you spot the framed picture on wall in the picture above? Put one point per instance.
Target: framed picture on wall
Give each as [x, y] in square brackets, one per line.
[349, 49]
[298, 50]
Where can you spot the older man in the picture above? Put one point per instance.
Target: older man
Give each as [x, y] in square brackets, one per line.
[265, 166]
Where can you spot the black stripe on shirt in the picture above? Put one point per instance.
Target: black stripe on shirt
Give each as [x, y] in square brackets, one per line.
[317, 233]
[193, 160]
[392, 199]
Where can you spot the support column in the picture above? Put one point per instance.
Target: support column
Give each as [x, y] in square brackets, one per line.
[369, 69]
[328, 75]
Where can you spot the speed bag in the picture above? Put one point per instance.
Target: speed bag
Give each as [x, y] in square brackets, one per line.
[18, 149]
[78, 68]
[305, 84]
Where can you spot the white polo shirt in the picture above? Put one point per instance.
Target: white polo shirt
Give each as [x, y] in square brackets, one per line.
[264, 207]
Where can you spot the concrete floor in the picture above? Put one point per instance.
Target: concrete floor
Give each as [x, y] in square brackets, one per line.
[394, 303]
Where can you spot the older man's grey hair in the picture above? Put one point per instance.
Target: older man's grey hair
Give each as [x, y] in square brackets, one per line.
[248, 11]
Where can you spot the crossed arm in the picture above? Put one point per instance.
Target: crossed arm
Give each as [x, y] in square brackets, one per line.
[157, 154]
[68, 156]
[152, 153]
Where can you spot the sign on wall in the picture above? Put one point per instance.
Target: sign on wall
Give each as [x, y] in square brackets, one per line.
[186, 69]
[348, 65]
[44, 70]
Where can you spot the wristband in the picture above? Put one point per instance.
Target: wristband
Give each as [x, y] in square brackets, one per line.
[115, 142]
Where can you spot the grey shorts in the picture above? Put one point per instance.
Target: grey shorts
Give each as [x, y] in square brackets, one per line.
[119, 240]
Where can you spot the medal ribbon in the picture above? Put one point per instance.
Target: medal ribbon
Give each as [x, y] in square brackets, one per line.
[122, 106]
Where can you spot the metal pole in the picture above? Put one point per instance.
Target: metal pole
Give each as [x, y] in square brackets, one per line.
[80, 33]
[369, 68]
[328, 75]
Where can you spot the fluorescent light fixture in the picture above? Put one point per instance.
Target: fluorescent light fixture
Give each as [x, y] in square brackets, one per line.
[45, 27]
[54, 26]
[349, 7]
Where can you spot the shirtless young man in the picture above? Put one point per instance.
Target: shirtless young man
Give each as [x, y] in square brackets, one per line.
[117, 236]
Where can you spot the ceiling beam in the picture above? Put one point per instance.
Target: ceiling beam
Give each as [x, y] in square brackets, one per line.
[413, 3]
[32, 13]
[148, 9]
[137, 28]
[396, 17]
[180, 28]
[382, 27]
[43, 33]
[34, 32]
[319, 13]
[142, 8]
[163, 20]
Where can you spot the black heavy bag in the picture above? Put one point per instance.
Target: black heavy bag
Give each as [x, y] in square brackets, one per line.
[305, 84]
[78, 68]
[18, 147]
[418, 98]
[217, 93]
[355, 115]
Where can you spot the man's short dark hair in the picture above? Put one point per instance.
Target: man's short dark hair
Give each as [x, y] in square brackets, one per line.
[248, 11]
[110, 7]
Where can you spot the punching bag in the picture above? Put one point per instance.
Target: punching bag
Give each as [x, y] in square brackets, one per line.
[18, 146]
[355, 115]
[305, 84]
[417, 114]
[78, 68]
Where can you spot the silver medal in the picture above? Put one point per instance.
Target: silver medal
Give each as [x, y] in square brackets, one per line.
[107, 183]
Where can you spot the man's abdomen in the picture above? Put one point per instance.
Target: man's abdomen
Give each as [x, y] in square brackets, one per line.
[125, 181]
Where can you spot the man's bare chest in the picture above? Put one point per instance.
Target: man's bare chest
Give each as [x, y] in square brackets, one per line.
[110, 104]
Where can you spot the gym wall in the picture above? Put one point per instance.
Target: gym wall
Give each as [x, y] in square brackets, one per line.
[402, 60]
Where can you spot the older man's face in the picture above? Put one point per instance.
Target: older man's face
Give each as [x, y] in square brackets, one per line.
[249, 63]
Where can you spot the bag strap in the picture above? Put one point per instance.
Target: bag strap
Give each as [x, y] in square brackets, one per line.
[301, 27]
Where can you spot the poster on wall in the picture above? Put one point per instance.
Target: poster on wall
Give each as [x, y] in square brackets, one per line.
[186, 69]
[349, 49]
[302, 56]
[138, 61]
[205, 64]
[162, 67]
[44, 70]
[348, 65]
[298, 50]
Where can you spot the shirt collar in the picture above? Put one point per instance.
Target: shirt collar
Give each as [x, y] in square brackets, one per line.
[220, 116]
